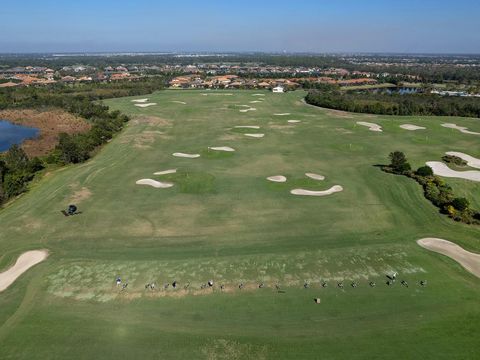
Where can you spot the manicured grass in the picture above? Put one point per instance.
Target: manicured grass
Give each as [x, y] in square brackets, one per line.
[224, 221]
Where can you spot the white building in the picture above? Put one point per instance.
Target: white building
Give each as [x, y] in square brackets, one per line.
[278, 89]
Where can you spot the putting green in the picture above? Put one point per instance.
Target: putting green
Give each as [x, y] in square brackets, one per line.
[224, 221]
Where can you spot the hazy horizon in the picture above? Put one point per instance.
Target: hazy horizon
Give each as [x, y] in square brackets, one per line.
[409, 27]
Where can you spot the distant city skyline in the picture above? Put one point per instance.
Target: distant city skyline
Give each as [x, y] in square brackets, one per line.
[307, 26]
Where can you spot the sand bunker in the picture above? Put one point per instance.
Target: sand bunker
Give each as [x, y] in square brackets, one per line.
[255, 135]
[258, 94]
[184, 155]
[24, 262]
[371, 126]
[315, 176]
[412, 127]
[282, 114]
[294, 121]
[154, 183]
[247, 127]
[165, 172]
[228, 94]
[470, 261]
[460, 128]
[255, 102]
[145, 105]
[179, 102]
[332, 190]
[277, 178]
[441, 169]
[247, 110]
[222, 148]
[471, 161]
[140, 100]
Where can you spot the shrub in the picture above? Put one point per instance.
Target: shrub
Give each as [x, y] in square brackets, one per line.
[454, 160]
[460, 204]
[424, 171]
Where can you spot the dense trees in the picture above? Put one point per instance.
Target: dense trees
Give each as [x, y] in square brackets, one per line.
[395, 104]
[16, 170]
[77, 98]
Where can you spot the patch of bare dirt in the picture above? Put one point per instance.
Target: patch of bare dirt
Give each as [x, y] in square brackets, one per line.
[50, 122]
[339, 114]
[80, 195]
[144, 140]
[151, 120]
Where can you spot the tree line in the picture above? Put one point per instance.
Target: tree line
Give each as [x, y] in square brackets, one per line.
[395, 104]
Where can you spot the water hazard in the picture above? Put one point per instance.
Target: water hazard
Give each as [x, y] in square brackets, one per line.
[11, 134]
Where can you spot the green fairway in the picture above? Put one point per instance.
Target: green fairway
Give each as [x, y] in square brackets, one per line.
[224, 221]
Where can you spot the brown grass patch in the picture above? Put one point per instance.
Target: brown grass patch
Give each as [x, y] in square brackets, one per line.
[339, 114]
[80, 195]
[151, 120]
[143, 140]
[50, 122]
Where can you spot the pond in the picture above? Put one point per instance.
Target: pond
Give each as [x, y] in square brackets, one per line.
[11, 134]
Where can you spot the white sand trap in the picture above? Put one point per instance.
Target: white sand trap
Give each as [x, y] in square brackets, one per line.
[255, 135]
[184, 155]
[441, 169]
[154, 183]
[228, 94]
[412, 127]
[247, 110]
[140, 100]
[24, 262]
[277, 178]
[294, 121]
[255, 102]
[179, 102]
[282, 114]
[247, 127]
[332, 190]
[315, 176]
[470, 261]
[165, 172]
[222, 148]
[460, 128]
[258, 94]
[145, 105]
[371, 126]
[247, 106]
[471, 161]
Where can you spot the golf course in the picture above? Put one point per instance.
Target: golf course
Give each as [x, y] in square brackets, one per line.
[207, 227]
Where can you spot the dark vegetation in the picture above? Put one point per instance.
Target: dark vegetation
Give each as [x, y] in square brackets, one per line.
[394, 104]
[435, 189]
[452, 159]
[17, 170]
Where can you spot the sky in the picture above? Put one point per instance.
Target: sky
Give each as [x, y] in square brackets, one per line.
[400, 26]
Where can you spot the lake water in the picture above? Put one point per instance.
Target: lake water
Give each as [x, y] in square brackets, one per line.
[14, 134]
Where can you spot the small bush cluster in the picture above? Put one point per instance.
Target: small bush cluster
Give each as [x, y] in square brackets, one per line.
[452, 159]
[435, 189]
